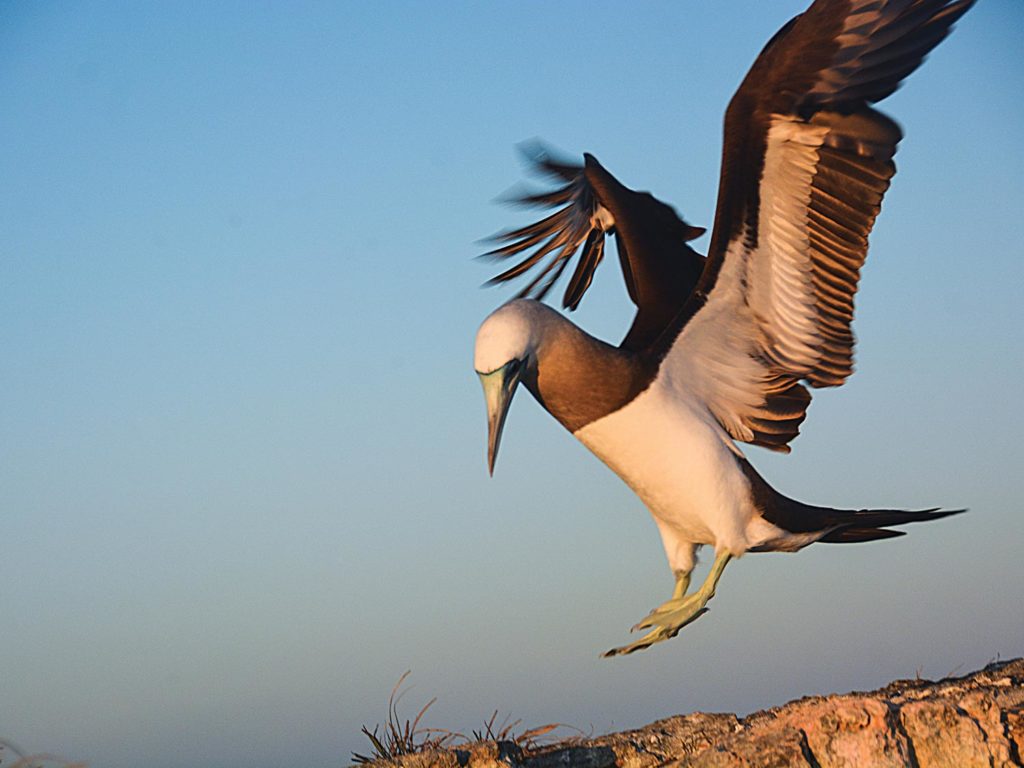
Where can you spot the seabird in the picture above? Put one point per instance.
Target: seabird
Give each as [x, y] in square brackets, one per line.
[722, 349]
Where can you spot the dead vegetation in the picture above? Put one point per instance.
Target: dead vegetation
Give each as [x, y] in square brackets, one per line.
[403, 737]
[12, 757]
[396, 737]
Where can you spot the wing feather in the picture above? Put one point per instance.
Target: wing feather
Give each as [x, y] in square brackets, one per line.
[804, 170]
[658, 267]
[579, 225]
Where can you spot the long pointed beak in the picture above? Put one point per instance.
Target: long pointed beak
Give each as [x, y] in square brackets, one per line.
[499, 387]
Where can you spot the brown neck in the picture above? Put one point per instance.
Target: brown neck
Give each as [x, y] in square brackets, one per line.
[578, 379]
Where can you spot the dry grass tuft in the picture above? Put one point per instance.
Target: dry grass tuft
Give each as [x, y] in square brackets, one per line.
[21, 760]
[530, 739]
[403, 738]
[399, 737]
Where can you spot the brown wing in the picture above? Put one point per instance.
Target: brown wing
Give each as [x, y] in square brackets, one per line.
[805, 165]
[658, 266]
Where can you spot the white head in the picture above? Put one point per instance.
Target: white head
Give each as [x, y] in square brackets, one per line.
[511, 332]
[507, 345]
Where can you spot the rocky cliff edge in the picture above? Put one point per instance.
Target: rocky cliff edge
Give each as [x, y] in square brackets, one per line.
[976, 720]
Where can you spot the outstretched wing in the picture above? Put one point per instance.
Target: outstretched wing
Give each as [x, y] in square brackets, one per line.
[659, 268]
[805, 165]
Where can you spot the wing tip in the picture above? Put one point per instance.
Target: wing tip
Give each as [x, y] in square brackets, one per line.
[544, 159]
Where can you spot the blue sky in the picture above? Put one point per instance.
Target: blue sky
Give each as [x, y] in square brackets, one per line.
[242, 477]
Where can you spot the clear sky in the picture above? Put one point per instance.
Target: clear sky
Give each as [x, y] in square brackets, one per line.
[242, 476]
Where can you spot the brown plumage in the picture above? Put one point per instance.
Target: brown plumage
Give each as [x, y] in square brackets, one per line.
[651, 239]
[804, 101]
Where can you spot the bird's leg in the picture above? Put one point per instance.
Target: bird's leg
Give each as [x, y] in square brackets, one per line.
[678, 611]
[678, 593]
[682, 584]
[681, 608]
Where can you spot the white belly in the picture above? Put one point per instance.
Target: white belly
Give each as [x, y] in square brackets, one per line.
[681, 464]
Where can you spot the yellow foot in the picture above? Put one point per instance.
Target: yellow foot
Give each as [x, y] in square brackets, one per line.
[667, 619]
[674, 614]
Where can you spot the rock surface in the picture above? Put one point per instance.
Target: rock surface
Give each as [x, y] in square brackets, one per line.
[976, 720]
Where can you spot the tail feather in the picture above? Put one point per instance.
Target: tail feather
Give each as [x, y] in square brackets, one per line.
[868, 524]
[838, 526]
[851, 535]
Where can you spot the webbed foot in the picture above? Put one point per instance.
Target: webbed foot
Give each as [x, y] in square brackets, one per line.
[667, 619]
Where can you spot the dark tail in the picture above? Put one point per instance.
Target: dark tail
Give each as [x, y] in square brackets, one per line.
[869, 524]
[841, 526]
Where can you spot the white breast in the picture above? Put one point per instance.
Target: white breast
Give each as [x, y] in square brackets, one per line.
[681, 464]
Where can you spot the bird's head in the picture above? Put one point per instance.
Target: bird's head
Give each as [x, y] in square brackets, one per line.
[507, 347]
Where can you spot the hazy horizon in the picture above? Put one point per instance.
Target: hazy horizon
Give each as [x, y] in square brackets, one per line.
[242, 467]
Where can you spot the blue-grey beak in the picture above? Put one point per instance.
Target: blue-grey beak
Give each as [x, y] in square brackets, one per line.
[499, 387]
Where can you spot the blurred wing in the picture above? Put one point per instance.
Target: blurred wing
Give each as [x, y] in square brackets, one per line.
[659, 268]
[552, 242]
[805, 165]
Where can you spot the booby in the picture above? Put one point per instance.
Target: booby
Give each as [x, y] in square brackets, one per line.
[723, 349]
